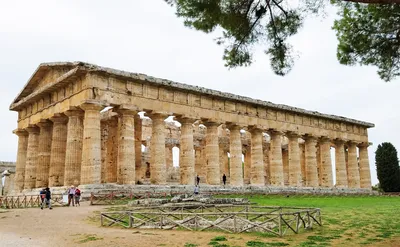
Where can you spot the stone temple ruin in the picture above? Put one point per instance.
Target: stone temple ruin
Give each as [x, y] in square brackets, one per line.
[78, 124]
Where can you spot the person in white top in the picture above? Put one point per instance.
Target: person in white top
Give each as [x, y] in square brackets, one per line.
[71, 195]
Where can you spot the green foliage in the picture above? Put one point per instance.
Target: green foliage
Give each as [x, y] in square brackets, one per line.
[387, 167]
[263, 244]
[190, 245]
[219, 238]
[249, 22]
[369, 34]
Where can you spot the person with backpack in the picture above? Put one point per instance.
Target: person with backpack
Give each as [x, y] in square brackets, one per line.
[42, 197]
[77, 196]
[47, 199]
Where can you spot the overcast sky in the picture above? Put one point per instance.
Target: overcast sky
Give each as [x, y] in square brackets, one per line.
[145, 36]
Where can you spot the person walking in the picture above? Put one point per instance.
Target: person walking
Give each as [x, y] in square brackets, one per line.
[77, 196]
[71, 196]
[224, 179]
[47, 199]
[196, 190]
[42, 197]
[198, 180]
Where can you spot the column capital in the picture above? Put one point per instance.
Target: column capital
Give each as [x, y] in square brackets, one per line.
[364, 144]
[59, 118]
[324, 139]
[44, 123]
[74, 113]
[185, 119]
[127, 109]
[310, 137]
[292, 135]
[95, 105]
[233, 126]
[33, 129]
[255, 128]
[158, 114]
[274, 132]
[20, 132]
[352, 143]
[338, 141]
[211, 122]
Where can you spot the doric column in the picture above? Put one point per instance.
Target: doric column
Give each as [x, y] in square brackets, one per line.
[186, 159]
[311, 161]
[340, 165]
[169, 157]
[112, 151]
[276, 168]
[73, 153]
[303, 164]
[58, 150]
[157, 150]
[44, 149]
[236, 170]
[266, 161]
[257, 160]
[21, 159]
[126, 146]
[91, 147]
[294, 160]
[285, 163]
[138, 147]
[31, 157]
[365, 174]
[247, 164]
[200, 161]
[326, 163]
[352, 169]
[212, 153]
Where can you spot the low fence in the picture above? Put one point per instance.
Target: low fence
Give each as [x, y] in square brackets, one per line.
[11, 202]
[228, 218]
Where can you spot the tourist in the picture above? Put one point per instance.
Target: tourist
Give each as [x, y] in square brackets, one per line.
[77, 196]
[198, 180]
[42, 197]
[196, 190]
[224, 179]
[47, 199]
[71, 195]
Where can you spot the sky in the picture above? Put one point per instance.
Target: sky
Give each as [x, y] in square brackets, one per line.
[145, 36]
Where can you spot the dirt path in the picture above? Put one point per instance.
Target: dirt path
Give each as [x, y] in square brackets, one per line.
[69, 226]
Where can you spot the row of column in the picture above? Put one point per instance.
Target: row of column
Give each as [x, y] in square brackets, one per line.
[66, 149]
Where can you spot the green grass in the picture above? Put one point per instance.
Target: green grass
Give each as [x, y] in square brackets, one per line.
[356, 220]
[88, 238]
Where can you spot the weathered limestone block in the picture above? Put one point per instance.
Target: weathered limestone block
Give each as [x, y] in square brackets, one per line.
[365, 174]
[212, 153]
[138, 146]
[326, 163]
[73, 153]
[44, 150]
[340, 163]
[157, 150]
[276, 169]
[311, 162]
[186, 160]
[126, 147]
[91, 147]
[295, 179]
[353, 172]
[58, 150]
[21, 159]
[257, 165]
[31, 157]
[236, 170]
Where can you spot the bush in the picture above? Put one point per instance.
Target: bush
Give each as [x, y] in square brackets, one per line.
[387, 167]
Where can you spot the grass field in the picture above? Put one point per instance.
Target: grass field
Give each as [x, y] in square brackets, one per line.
[347, 221]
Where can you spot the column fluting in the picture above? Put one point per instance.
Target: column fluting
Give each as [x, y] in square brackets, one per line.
[44, 151]
[21, 159]
[58, 150]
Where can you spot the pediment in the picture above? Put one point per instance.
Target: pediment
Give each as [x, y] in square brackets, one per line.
[46, 73]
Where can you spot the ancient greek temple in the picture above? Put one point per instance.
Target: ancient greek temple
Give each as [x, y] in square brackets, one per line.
[82, 124]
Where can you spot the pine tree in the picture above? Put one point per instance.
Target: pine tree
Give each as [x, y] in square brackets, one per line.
[387, 167]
